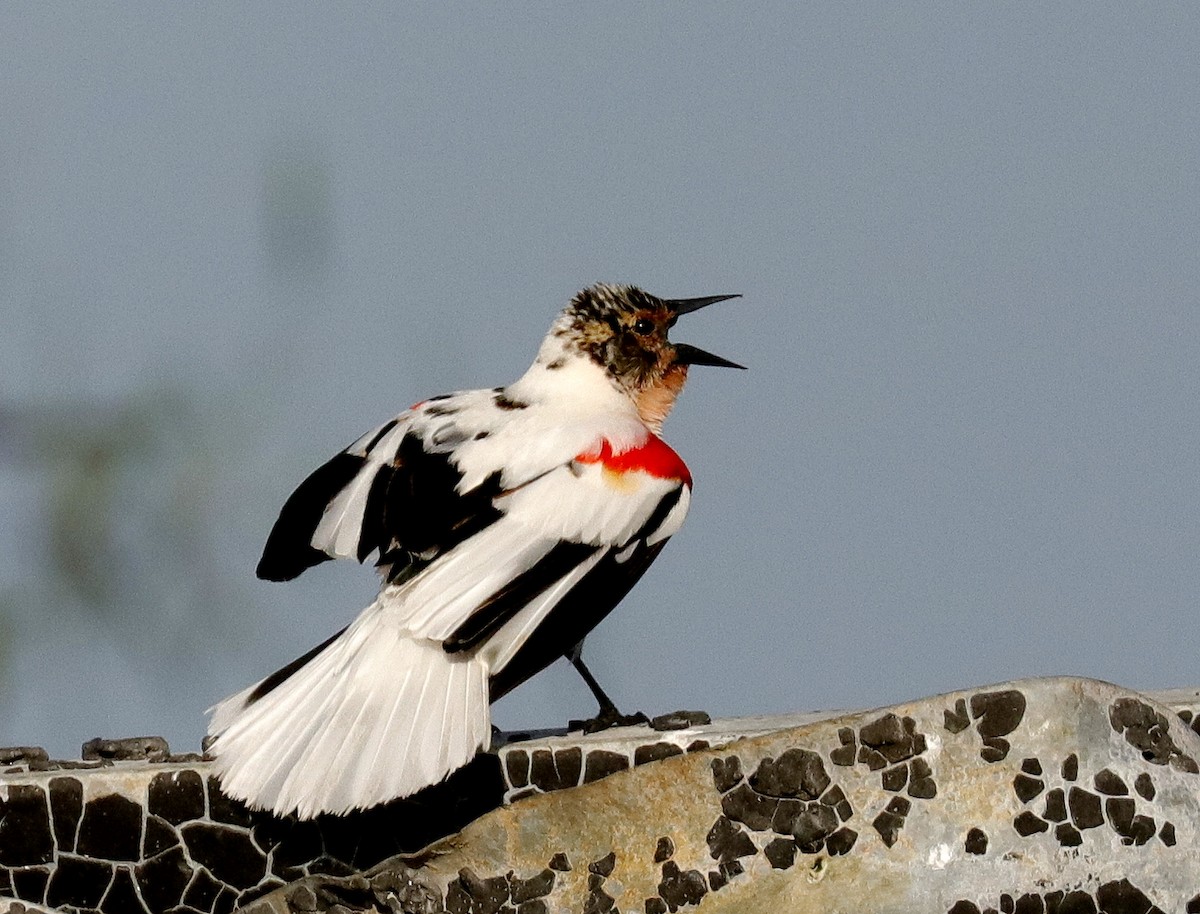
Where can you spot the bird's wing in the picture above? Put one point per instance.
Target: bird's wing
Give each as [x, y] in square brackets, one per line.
[484, 516]
[551, 532]
[392, 489]
[450, 468]
[625, 503]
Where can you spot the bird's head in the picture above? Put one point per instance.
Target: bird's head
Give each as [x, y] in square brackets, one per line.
[624, 331]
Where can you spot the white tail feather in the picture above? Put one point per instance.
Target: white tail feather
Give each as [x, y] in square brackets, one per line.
[376, 715]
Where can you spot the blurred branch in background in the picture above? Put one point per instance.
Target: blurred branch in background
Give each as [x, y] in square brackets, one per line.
[114, 538]
[123, 576]
[122, 497]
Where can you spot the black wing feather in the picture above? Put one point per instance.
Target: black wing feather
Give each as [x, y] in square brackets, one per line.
[586, 604]
[421, 513]
[579, 611]
[510, 599]
[413, 511]
[424, 511]
[374, 534]
[289, 552]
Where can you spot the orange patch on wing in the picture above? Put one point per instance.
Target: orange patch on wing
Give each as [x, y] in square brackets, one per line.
[653, 457]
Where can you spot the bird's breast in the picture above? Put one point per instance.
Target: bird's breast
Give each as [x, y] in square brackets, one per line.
[653, 457]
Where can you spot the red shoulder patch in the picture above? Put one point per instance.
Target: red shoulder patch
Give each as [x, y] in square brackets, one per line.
[653, 457]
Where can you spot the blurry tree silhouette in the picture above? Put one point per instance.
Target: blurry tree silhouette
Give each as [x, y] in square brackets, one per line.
[115, 545]
[120, 537]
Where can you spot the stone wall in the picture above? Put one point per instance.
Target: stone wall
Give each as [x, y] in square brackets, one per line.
[131, 828]
[1049, 795]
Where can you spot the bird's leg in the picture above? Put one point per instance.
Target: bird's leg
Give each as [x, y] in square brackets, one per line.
[607, 707]
[608, 715]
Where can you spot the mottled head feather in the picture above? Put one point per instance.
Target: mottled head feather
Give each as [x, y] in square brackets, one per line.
[623, 329]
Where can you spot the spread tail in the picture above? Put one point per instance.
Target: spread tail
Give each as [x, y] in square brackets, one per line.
[372, 715]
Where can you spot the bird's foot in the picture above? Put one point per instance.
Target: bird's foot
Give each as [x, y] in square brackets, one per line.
[607, 718]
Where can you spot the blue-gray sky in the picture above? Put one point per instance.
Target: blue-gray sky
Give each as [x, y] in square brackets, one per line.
[235, 237]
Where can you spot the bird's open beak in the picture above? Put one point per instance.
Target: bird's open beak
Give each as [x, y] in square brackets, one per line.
[691, 355]
[680, 306]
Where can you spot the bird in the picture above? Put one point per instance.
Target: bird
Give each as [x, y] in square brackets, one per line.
[505, 523]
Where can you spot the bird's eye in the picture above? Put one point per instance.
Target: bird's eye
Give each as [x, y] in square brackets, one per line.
[644, 326]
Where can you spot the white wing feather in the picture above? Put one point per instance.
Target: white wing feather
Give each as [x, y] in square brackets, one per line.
[341, 525]
[576, 504]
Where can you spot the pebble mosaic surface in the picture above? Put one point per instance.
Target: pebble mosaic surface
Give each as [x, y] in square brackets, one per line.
[1103, 817]
[1052, 796]
[125, 835]
[131, 828]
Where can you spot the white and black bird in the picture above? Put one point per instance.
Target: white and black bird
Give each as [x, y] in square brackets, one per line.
[506, 524]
